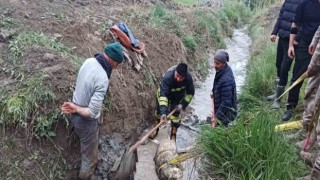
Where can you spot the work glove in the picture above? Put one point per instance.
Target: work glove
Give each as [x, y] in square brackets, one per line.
[179, 107]
[164, 118]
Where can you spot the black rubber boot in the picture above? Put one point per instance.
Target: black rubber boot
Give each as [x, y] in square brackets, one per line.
[287, 115]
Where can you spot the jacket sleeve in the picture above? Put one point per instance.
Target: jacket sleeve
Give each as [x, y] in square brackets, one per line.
[298, 18]
[276, 26]
[96, 100]
[226, 94]
[163, 96]
[189, 93]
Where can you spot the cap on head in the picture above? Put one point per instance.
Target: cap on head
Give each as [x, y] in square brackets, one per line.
[221, 56]
[182, 69]
[114, 51]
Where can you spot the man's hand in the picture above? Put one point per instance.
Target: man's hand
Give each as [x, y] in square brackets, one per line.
[310, 72]
[312, 48]
[273, 38]
[164, 118]
[178, 107]
[291, 52]
[69, 108]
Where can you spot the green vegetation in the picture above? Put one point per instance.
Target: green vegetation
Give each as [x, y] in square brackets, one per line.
[27, 106]
[204, 28]
[190, 43]
[202, 65]
[250, 151]
[6, 22]
[163, 19]
[25, 40]
[187, 2]
[258, 4]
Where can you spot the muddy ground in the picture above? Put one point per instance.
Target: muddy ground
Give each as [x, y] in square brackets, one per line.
[81, 26]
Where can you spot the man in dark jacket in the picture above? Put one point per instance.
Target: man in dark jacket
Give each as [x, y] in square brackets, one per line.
[304, 26]
[175, 92]
[224, 89]
[283, 62]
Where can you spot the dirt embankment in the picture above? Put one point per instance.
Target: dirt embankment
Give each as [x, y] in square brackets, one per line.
[81, 26]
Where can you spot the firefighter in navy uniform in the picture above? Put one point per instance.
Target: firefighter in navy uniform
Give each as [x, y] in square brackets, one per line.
[176, 91]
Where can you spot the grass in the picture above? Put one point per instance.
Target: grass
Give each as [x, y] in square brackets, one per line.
[27, 107]
[187, 2]
[25, 40]
[190, 43]
[6, 22]
[166, 20]
[250, 151]
[258, 4]
[202, 65]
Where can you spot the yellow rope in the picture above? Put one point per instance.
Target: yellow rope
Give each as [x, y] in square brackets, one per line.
[178, 159]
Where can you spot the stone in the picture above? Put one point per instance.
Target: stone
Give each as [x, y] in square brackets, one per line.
[48, 56]
[28, 165]
[6, 35]
[57, 35]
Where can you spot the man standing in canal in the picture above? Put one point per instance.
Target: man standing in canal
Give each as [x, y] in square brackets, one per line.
[91, 87]
[224, 91]
[176, 91]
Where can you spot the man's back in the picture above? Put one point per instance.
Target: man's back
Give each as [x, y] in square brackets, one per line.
[91, 79]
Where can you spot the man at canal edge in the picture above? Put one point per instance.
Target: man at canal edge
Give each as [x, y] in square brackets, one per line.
[224, 89]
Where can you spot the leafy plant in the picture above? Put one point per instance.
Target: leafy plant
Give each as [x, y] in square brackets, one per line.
[190, 43]
[6, 22]
[23, 106]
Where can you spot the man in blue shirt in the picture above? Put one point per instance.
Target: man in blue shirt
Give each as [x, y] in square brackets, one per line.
[304, 26]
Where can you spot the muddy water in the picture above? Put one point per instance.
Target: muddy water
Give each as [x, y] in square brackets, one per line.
[238, 48]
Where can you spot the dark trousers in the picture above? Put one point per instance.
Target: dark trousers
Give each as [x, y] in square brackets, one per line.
[88, 132]
[283, 62]
[301, 63]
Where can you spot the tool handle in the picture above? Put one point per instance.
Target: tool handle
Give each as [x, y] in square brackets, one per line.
[137, 144]
[213, 118]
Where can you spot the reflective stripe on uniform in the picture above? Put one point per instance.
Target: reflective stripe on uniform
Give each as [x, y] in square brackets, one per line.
[188, 98]
[175, 119]
[178, 89]
[163, 101]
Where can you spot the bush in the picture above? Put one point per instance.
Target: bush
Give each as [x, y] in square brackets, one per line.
[190, 43]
